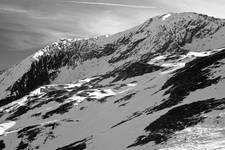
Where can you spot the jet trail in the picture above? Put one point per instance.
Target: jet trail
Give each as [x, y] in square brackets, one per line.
[112, 4]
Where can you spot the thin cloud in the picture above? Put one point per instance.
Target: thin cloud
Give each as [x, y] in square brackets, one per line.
[11, 9]
[111, 4]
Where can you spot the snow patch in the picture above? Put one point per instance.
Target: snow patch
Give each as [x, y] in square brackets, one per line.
[107, 35]
[132, 84]
[76, 98]
[6, 126]
[38, 54]
[48, 122]
[199, 54]
[173, 67]
[99, 94]
[158, 58]
[73, 85]
[203, 53]
[166, 16]
[36, 92]
[198, 138]
[14, 105]
[96, 93]
[168, 65]
[87, 80]
[79, 83]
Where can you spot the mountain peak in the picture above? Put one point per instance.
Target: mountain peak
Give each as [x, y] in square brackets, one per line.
[161, 80]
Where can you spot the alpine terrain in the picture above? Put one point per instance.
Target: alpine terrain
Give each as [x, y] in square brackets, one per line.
[157, 86]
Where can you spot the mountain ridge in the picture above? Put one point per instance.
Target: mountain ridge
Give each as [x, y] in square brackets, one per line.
[142, 32]
[130, 85]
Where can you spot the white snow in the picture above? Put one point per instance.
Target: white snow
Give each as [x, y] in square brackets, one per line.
[87, 80]
[55, 43]
[14, 105]
[199, 54]
[6, 126]
[36, 92]
[203, 53]
[132, 84]
[166, 16]
[183, 58]
[107, 35]
[76, 98]
[180, 63]
[198, 138]
[121, 92]
[173, 67]
[99, 95]
[48, 122]
[157, 58]
[64, 42]
[73, 85]
[168, 65]
[20, 102]
[79, 83]
[70, 40]
[38, 54]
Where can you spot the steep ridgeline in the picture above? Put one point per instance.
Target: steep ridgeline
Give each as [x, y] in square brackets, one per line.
[139, 89]
[88, 57]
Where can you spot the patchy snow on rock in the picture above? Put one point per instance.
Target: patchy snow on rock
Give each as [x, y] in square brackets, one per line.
[49, 122]
[107, 35]
[38, 54]
[79, 83]
[36, 92]
[14, 105]
[157, 58]
[99, 94]
[76, 98]
[65, 41]
[96, 93]
[55, 43]
[21, 101]
[6, 126]
[132, 84]
[173, 67]
[199, 54]
[198, 138]
[217, 50]
[166, 16]
[168, 65]
[203, 53]
[73, 85]
[87, 80]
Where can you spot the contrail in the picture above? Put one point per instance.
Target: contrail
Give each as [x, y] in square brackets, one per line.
[16, 10]
[111, 4]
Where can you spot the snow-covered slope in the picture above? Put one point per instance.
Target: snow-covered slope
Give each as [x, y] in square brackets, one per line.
[158, 85]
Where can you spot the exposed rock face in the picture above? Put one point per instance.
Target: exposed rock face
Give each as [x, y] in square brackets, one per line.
[138, 89]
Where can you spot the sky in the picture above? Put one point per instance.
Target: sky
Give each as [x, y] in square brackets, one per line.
[28, 25]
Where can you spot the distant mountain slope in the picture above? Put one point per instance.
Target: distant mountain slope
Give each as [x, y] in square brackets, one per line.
[138, 89]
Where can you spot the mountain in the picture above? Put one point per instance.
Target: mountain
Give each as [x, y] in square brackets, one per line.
[158, 85]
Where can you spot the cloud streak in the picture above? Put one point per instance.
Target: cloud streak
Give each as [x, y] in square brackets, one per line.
[11, 9]
[111, 4]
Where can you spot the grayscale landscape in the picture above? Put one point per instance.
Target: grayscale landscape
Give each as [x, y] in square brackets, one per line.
[156, 86]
